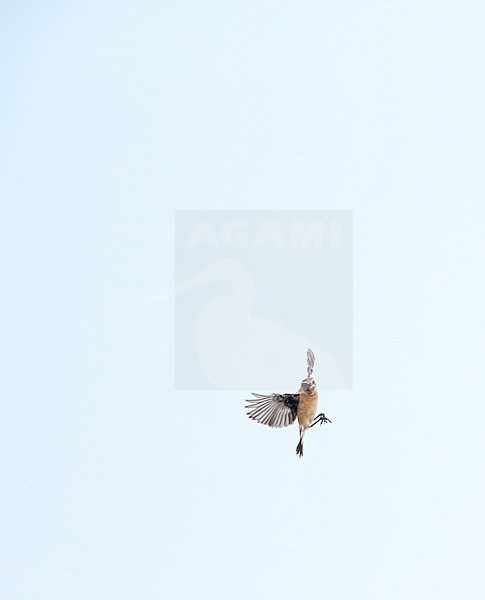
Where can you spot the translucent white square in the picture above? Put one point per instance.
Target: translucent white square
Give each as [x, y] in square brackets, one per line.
[254, 290]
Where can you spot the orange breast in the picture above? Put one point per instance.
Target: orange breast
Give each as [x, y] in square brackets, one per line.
[307, 408]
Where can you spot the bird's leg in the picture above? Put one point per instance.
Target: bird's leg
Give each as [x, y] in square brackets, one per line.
[299, 448]
[321, 418]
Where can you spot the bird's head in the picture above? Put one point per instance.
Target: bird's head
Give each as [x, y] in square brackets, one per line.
[308, 385]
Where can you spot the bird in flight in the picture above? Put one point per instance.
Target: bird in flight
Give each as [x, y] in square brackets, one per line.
[281, 410]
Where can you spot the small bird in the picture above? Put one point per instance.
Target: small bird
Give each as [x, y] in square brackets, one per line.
[281, 410]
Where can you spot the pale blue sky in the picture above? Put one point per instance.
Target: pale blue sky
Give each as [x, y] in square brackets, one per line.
[115, 114]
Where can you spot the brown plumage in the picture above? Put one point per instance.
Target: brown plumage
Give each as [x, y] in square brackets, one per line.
[281, 410]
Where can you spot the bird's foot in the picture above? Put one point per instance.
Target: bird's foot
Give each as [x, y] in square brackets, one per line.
[321, 418]
[299, 449]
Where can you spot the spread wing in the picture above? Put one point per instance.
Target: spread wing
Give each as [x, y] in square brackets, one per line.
[310, 361]
[275, 410]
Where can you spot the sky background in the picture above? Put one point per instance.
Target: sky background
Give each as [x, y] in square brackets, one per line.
[113, 115]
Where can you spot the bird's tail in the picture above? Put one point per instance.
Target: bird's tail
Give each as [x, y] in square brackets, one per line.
[299, 448]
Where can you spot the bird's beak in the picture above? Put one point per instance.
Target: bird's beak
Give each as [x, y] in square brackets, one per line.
[202, 278]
